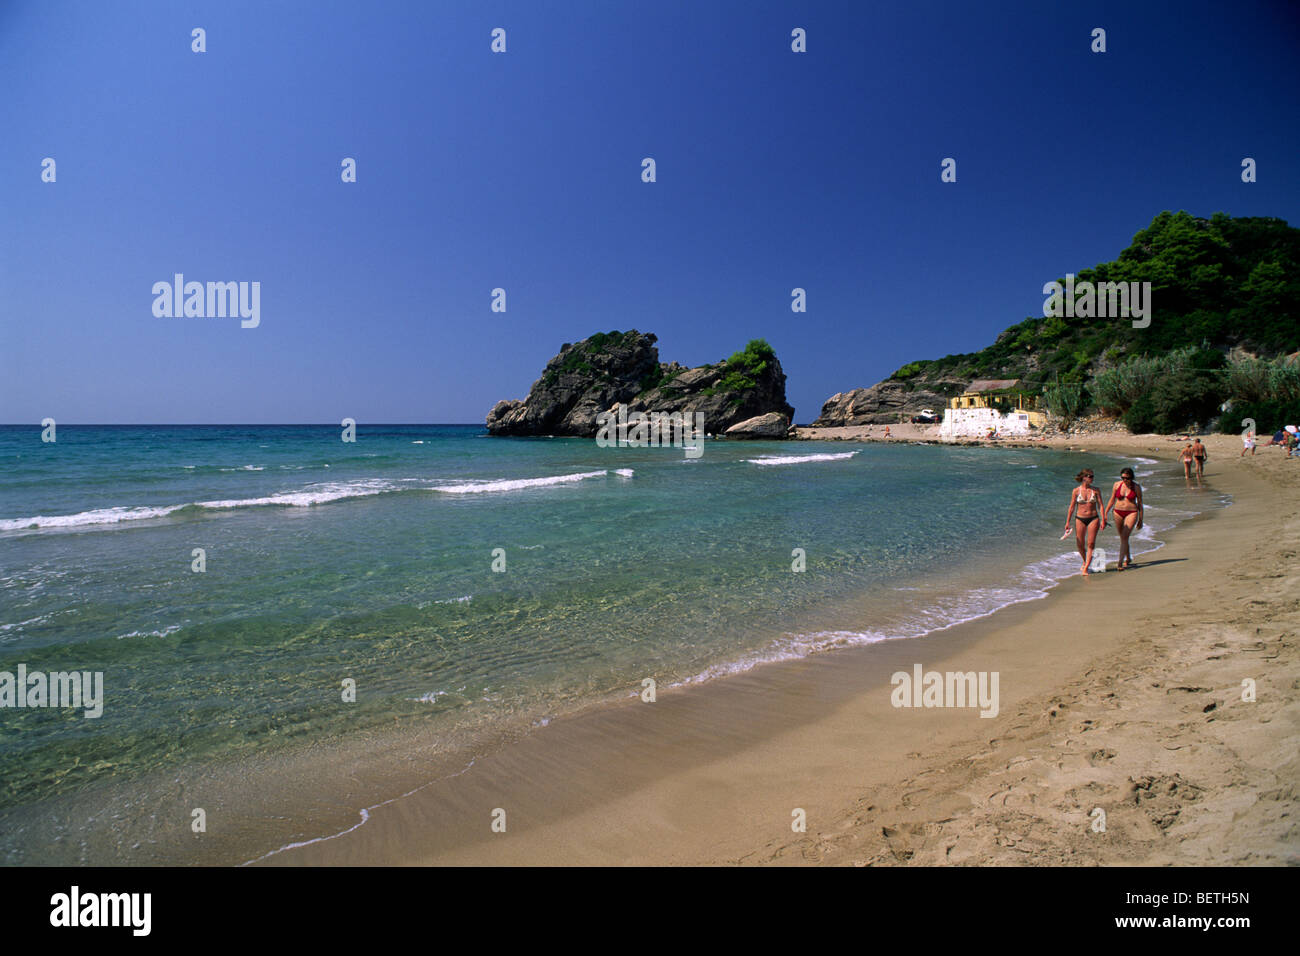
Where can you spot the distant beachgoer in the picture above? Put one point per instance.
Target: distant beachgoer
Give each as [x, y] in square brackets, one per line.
[886, 431]
[1247, 444]
[1088, 515]
[1126, 498]
[1186, 458]
[1292, 440]
[1201, 456]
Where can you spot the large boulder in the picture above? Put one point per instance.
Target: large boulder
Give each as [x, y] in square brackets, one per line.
[771, 425]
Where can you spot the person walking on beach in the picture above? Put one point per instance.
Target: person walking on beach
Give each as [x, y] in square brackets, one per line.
[1088, 515]
[1186, 458]
[1201, 456]
[1247, 444]
[1126, 498]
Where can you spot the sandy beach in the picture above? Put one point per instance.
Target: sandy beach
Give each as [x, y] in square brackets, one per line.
[1120, 694]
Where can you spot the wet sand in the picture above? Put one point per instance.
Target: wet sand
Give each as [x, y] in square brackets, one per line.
[1119, 692]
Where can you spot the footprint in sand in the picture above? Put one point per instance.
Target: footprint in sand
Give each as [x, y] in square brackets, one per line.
[1163, 798]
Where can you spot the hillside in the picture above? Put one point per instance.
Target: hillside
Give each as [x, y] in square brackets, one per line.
[1224, 291]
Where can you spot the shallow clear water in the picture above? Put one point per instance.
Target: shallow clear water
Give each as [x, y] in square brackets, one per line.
[374, 561]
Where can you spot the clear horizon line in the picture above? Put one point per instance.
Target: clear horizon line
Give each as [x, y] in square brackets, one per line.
[38, 426]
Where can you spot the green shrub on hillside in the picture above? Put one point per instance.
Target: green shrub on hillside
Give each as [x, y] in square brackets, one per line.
[909, 370]
[1163, 394]
[745, 367]
[1268, 392]
[1065, 400]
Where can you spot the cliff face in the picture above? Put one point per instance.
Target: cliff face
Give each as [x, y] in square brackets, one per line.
[608, 369]
[883, 402]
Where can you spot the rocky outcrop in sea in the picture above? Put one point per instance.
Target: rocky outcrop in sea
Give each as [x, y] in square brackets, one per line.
[612, 369]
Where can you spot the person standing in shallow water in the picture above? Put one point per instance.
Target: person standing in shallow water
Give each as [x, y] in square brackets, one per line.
[1126, 498]
[1200, 454]
[1088, 515]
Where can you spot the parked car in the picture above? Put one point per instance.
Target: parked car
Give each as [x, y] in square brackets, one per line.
[926, 417]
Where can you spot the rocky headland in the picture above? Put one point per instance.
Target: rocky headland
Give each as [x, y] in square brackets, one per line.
[741, 397]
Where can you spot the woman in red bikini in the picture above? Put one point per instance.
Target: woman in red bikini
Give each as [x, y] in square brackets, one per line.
[1126, 497]
[1088, 514]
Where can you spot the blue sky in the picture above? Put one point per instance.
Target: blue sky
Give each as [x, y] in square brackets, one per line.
[522, 170]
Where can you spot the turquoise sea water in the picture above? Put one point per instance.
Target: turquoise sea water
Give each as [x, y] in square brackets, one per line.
[373, 561]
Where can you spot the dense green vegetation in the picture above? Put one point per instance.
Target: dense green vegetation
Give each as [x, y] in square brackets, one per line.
[1268, 392]
[1217, 285]
[745, 367]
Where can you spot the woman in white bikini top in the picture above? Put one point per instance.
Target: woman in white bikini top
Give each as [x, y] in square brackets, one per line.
[1085, 510]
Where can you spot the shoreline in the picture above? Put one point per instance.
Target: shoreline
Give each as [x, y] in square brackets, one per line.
[609, 785]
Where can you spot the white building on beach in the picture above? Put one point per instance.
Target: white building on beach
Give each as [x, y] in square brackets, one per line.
[976, 411]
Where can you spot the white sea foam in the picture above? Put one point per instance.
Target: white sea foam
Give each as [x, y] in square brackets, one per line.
[97, 516]
[170, 629]
[35, 620]
[314, 494]
[799, 459]
[428, 698]
[365, 817]
[518, 484]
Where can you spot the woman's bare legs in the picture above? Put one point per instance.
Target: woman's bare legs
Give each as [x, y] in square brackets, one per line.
[1085, 539]
[1125, 524]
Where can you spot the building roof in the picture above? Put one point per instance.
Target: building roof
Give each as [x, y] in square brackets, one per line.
[991, 385]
